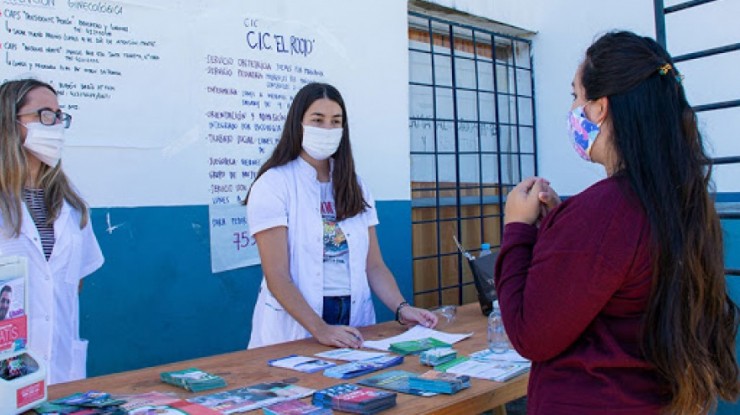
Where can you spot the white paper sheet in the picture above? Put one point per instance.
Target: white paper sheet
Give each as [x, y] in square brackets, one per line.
[349, 355]
[416, 333]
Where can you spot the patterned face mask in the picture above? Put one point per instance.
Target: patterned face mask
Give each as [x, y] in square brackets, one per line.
[582, 132]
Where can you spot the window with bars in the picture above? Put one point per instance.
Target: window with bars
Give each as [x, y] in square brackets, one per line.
[472, 127]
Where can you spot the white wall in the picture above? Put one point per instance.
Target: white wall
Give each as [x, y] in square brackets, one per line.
[565, 28]
[712, 79]
[146, 145]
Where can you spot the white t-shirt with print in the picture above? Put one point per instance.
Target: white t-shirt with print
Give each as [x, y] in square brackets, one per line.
[336, 250]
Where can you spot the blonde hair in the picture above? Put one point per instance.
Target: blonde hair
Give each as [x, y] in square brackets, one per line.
[14, 164]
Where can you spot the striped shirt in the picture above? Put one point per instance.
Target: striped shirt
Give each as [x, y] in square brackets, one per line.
[34, 199]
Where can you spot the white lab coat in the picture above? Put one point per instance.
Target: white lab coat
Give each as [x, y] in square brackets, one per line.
[290, 195]
[53, 312]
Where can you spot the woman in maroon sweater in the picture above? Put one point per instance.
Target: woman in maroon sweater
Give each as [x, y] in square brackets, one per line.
[618, 293]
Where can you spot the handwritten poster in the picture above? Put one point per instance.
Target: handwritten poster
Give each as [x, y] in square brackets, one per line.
[104, 58]
[249, 83]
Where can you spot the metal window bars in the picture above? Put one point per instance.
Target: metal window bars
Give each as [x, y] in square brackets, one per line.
[660, 28]
[472, 129]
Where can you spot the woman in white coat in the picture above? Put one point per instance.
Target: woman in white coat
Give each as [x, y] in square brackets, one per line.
[314, 223]
[44, 219]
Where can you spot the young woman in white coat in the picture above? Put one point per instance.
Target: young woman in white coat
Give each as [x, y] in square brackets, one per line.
[314, 223]
[45, 220]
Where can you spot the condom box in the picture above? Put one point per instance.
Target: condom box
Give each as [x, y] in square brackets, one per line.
[22, 377]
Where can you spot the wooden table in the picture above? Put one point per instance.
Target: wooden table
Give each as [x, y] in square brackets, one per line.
[248, 367]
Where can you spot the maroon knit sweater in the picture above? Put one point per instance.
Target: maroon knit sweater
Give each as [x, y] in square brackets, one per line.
[573, 295]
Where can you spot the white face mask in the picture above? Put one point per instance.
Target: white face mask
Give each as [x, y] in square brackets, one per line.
[45, 142]
[321, 143]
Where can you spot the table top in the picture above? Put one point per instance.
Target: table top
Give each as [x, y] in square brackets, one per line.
[248, 367]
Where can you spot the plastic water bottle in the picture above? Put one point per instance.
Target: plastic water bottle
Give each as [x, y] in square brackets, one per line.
[498, 341]
[485, 249]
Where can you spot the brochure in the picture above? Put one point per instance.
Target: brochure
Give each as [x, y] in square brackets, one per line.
[486, 355]
[194, 380]
[416, 333]
[496, 371]
[441, 382]
[301, 363]
[417, 346]
[349, 355]
[361, 367]
[353, 398]
[295, 407]
[13, 324]
[164, 404]
[251, 397]
[396, 380]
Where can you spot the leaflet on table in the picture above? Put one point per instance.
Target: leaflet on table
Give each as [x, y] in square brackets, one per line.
[301, 363]
[395, 380]
[295, 407]
[441, 382]
[349, 355]
[416, 333]
[353, 398]
[193, 379]
[361, 367]
[511, 355]
[496, 371]
[251, 397]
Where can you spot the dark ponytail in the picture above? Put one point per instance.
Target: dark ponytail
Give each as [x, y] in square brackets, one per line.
[691, 323]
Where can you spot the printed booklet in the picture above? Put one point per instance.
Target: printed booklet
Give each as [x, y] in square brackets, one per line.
[441, 382]
[496, 371]
[361, 367]
[301, 363]
[396, 380]
[295, 407]
[353, 398]
[13, 324]
[193, 380]
[349, 355]
[252, 397]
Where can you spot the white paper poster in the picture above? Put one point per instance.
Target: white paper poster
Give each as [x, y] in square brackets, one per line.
[248, 84]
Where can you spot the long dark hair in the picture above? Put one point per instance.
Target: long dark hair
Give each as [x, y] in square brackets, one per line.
[691, 323]
[348, 197]
[14, 164]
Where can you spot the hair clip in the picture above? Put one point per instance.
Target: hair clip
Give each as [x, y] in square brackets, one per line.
[665, 68]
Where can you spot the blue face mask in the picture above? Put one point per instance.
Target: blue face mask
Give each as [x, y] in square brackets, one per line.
[582, 132]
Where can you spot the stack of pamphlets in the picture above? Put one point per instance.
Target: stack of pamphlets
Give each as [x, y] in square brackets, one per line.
[361, 367]
[417, 346]
[160, 403]
[192, 379]
[100, 403]
[91, 402]
[252, 397]
[499, 371]
[440, 382]
[353, 398]
[510, 355]
[395, 380]
[295, 407]
[437, 356]
[349, 355]
[301, 363]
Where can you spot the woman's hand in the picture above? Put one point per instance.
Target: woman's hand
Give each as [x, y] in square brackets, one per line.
[523, 202]
[414, 315]
[339, 336]
[549, 199]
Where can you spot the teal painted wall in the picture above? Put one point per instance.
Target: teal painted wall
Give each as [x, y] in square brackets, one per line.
[156, 301]
[732, 260]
